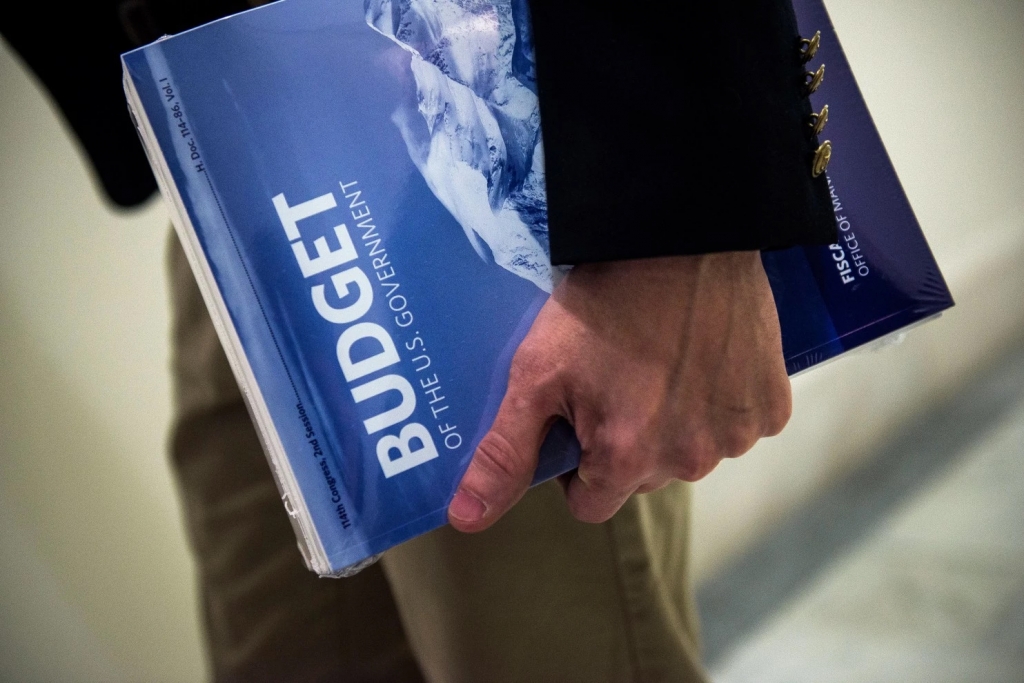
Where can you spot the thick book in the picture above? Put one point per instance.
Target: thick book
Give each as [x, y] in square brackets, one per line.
[359, 188]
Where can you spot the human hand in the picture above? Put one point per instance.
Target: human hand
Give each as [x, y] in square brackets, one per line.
[663, 367]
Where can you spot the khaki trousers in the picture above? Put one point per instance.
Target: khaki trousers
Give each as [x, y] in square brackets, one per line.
[538, 598]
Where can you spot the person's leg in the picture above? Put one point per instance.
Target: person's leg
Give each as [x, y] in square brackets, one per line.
[538, 598]
[541, 597]
[267, 617]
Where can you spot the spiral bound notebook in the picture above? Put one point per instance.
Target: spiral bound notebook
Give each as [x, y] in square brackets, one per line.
[368, 282]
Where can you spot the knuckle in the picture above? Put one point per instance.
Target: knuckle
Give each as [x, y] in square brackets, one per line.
[625, 460]
[737, 441]
[694, 468]
[691, 469]
[624, 473]
[496, 457]
[698, 455]
[778, 413]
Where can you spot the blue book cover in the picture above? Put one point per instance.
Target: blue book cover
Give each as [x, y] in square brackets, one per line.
[359, 187]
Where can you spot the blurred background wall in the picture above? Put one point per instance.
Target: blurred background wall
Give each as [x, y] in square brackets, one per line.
[95, 575]
[944, 80]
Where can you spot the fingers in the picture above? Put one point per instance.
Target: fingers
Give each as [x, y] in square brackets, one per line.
[595, 499]
[780, 408]
[504, 462]
[594, 502]
[616, 463]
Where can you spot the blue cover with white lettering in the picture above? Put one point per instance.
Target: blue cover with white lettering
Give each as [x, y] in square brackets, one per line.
[360, 189]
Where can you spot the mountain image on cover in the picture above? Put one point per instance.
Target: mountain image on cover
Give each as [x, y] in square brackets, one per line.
[474, 130]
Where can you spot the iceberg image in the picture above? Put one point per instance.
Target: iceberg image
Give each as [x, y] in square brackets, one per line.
[474, 133]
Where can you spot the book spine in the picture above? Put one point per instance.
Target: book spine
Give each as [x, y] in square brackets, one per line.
[202, 198]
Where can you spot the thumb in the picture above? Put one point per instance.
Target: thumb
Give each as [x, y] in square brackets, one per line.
[503, 465]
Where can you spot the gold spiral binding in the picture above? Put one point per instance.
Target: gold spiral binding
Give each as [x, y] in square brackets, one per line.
[809, 47]
[822, 157]
[814, 79]
[818, 121]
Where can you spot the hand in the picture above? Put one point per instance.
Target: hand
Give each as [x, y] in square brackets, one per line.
[663, 367]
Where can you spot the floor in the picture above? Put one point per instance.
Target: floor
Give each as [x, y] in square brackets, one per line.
[911, 569]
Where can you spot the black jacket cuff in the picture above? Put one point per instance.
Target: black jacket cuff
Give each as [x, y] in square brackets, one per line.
[680, 132]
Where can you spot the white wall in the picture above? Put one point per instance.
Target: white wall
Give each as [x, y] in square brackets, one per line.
[95, 579]
[944, 80]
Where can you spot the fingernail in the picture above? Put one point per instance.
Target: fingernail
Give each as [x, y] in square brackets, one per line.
[466, 507]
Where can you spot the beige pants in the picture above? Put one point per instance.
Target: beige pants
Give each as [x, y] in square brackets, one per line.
[538, 598]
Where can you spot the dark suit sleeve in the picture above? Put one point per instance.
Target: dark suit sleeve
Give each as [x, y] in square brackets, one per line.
[75, 49]
[680, 128]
